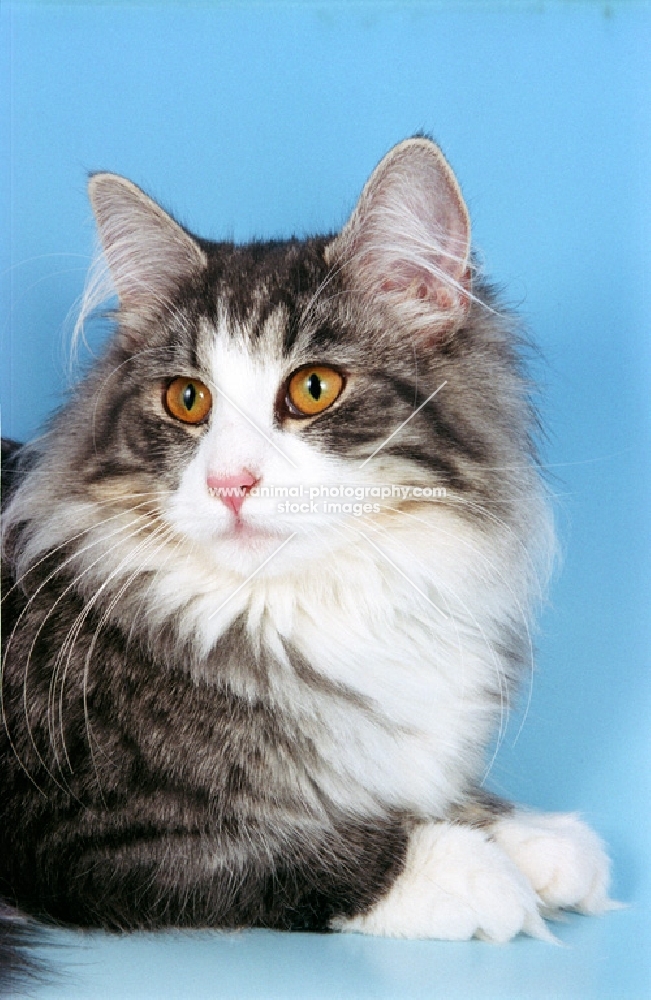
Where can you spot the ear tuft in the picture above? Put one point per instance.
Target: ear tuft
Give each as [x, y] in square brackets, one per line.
[408, 239]
[148, 254]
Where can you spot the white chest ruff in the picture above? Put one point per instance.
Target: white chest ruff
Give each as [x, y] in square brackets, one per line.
[426, 710]
[407, 650]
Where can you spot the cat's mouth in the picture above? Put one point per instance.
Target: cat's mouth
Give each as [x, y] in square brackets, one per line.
[242, 530]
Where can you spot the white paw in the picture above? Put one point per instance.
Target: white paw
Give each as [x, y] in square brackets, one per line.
[456, 884]
[563, 859]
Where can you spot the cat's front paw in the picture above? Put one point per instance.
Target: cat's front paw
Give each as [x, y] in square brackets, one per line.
[456, 884]
[563, 859]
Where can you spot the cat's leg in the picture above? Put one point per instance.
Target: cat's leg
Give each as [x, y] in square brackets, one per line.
[562, 858]
[457, 883]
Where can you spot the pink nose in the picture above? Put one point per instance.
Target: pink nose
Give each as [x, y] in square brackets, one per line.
[232, 490]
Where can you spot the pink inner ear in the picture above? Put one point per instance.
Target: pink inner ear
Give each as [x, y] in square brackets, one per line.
[409, 236]
[419, 284]
[420, 289]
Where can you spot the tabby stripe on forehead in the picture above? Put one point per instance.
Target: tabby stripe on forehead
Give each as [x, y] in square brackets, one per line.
[326, 335]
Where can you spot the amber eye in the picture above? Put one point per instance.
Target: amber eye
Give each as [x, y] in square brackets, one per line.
[188, 400]
[312, 390]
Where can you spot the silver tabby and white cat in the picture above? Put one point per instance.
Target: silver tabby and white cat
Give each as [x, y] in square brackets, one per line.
[226, 703]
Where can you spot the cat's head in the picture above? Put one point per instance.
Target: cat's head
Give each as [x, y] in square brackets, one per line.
[240, 375]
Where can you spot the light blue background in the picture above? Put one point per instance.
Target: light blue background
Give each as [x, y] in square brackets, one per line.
[265, 119]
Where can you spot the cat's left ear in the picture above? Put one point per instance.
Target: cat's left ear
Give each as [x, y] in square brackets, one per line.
[149, 255]
[407, 242]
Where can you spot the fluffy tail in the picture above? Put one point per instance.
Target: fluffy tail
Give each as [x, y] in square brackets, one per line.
[19, 966]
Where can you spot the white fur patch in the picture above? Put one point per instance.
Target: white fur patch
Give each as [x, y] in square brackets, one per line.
[563, 859]
[457, 884]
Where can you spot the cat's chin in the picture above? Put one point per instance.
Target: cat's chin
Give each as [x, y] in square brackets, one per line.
[246, 548]
[251, 534]
[243, 541]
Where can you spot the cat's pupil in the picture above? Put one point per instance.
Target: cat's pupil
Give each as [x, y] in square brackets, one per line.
[189, 396]
[314, 386]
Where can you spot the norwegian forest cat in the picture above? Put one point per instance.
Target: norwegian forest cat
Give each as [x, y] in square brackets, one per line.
[268, 580]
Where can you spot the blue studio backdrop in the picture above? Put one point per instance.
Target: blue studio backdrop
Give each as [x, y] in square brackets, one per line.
[264, 119]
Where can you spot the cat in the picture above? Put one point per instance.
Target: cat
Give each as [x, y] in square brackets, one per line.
[268, 584]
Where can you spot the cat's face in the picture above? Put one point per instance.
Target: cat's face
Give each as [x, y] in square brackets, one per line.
[253, 384]
[274, 392]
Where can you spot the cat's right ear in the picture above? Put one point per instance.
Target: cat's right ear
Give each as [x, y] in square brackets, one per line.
[149, 255]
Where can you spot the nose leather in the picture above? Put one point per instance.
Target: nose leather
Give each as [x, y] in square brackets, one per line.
[232, 490]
